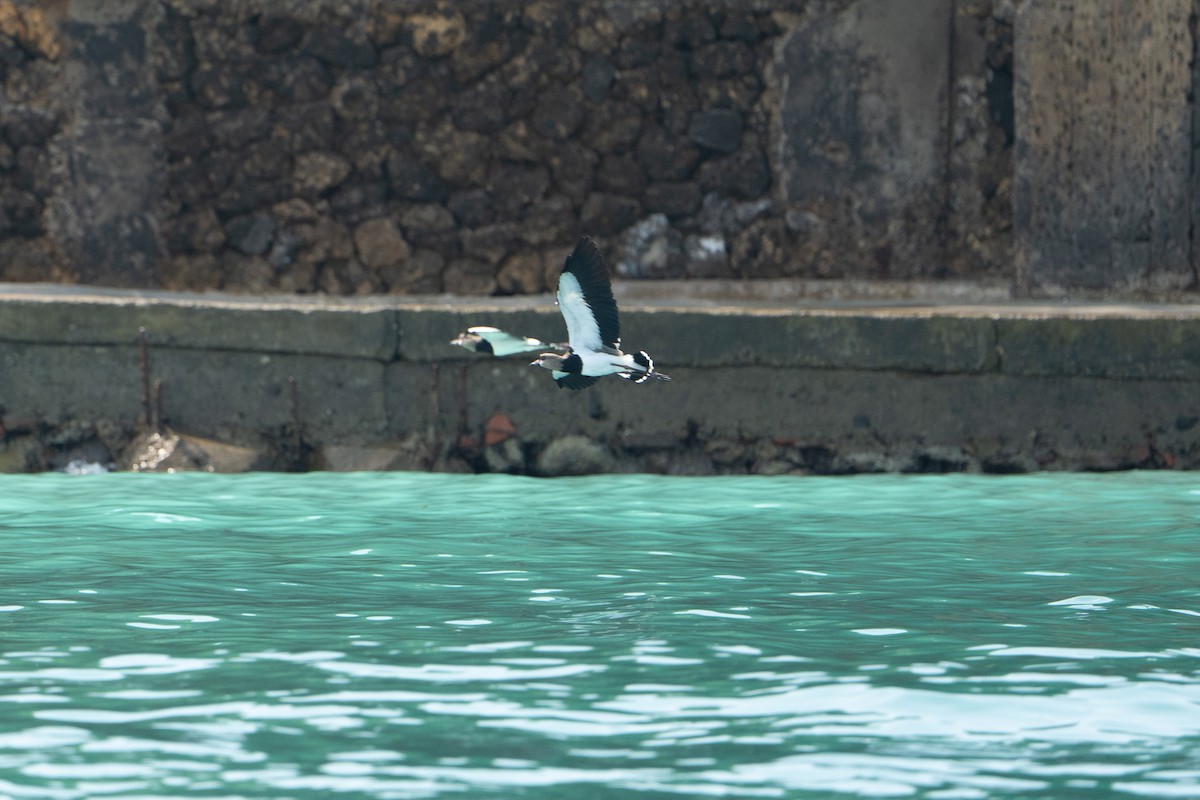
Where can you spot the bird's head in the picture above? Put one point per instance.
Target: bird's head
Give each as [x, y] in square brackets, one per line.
[549, 361]
[468, 340]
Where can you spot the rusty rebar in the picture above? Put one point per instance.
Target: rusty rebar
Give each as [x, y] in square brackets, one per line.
[144, 367]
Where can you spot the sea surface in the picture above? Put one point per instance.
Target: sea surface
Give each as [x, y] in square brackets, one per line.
[429, 636]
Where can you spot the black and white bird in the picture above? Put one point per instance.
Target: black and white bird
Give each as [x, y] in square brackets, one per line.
[593, 328]
[495, 342]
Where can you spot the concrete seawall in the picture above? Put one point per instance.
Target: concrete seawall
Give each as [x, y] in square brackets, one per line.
[759, 385]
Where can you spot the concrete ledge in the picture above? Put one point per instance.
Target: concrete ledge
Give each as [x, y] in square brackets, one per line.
[764, 386]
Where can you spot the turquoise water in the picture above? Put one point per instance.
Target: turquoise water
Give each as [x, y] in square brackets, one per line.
[411, 636]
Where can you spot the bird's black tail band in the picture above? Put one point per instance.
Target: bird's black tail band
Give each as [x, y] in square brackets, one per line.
[643, 359]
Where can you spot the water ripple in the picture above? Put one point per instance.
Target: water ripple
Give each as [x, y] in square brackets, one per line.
[401, 636]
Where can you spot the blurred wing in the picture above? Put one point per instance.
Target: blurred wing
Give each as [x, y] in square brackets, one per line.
[506, 344]
[568, 380]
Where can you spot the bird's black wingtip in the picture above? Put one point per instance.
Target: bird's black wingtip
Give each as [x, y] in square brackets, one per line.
[586, 259]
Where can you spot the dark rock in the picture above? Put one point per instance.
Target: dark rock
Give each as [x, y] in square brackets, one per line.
[689, 31]
[193, 273]
[426, 224]
[355, 98]
[460, 157]
[761, 249]
[409, 179]
[247, 274]
[571, 170]
[575, 455]
[634, 53]
[505, 457]
[317, 172]
[492, 39]
[620, 175]
[11, 55]
[304, 126]
[199, 231]
[347, 276]
[21, 454]
[472, 208]
[483, 109]
[643, 441]
[673, 198]
[744, 175]
[300, 277]
[722, 60]
[559, 114]
[718, 129]
[490, 243]
[419, 100]
[217, 89]
[379, 244]
[272, 35]
[71, 432]
[598, 75]
[666, 158]
[739, 27]
[262, 160]
[31, 171]
[522, 273]
[26, 126]
[608, 214]
[421, 274]
[518, 142]
[358, 201]
[20, 213]
[549, 220]
[742, 93]
[612, 126]
[332, 45]
[250, 196]
[515, 186]
[299, 79]
[238, 128]
[469, 276]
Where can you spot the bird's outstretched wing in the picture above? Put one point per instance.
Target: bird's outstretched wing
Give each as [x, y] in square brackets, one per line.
[493, 341]
[586, 301]
[573, 380]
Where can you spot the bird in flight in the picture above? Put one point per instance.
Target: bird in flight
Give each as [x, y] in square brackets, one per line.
[593, 328]
[495, 342]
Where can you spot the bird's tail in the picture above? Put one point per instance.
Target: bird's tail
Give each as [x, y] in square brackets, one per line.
[643, 360]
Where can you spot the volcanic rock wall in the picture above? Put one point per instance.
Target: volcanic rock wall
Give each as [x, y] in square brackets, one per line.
[358, 146]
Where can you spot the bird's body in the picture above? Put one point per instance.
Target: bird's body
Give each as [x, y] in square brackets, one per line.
[593, 327]
[495, 342]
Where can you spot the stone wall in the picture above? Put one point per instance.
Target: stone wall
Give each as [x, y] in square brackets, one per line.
[362, 146]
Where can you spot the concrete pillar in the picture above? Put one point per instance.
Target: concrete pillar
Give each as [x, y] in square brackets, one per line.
[104, 218]
[862, 134]
[1104, 142]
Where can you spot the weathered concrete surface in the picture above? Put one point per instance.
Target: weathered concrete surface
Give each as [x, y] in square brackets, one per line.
[766, 387]
[1104, 155]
